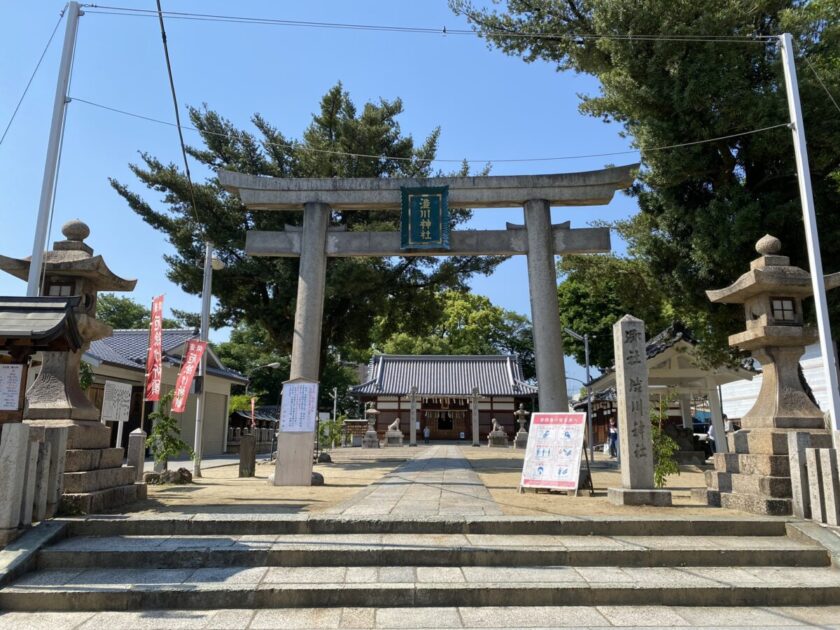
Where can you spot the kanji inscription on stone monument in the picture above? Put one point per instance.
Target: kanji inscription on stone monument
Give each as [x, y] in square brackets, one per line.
[633, 404]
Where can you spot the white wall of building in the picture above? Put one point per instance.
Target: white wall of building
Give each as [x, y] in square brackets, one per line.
[739, 397]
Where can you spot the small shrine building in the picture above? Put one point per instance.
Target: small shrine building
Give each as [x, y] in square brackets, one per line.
[445, 386]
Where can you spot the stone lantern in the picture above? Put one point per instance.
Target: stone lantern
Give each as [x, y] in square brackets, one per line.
[756, 476]
[56, 397]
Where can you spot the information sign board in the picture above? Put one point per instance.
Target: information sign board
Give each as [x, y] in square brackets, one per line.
[10, 381]
[553, 454]
[116, 402]
[299, 408]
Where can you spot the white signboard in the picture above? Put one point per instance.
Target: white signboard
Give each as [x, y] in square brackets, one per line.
[116, 402]
[10, 377]
[555, 444]
[299, 408]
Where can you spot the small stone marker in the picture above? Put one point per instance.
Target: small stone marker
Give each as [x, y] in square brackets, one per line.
[812, 457]
[247, 456]
[831, 485]
[42, 481]
[634, 429]
[798, 441]
[137, 452]
[28, 496]
[57, 438]
[14, 445]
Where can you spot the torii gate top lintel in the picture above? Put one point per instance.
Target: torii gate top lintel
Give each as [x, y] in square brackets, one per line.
[374, 193]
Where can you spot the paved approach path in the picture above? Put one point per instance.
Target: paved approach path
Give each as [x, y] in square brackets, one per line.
[439, 481]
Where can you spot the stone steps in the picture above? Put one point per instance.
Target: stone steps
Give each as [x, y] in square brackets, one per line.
[206, 561]
[273, 587]
[426, 550]
[211, 524]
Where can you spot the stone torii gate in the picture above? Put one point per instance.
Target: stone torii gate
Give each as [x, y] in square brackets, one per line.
[538, 239]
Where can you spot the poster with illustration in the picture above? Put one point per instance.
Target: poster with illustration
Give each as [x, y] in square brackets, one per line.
[552, 457]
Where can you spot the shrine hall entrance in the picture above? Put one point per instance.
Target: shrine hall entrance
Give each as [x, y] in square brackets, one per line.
[447, 418]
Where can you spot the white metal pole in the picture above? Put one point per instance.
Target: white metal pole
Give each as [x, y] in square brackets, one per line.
[33, 287]
[589, 400]
[812, 238]
[205, 332]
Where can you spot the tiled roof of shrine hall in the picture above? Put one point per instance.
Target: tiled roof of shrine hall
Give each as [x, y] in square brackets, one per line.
[128, 348]
[444, 375]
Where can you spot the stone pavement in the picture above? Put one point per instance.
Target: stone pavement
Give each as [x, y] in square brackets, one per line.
[628, 617]
[439, 481]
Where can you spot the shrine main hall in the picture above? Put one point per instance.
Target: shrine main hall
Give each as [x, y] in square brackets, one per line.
[445, 390]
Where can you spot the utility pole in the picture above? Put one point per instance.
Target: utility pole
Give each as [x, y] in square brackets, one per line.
[202, 370]
[812, 238]
[33, 287]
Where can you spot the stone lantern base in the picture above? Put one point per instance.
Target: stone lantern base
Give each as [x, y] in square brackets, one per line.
[755, 475]
[95, 479]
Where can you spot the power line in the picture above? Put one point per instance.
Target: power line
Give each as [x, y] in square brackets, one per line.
[210, 17]
[34, 72]
[289, 145]
[177, 114]
[822, 84]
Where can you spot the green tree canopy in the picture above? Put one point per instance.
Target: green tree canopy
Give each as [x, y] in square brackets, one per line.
[465, 323]
[121, 312]
[262, 291]
[597, 291]
[704, 206]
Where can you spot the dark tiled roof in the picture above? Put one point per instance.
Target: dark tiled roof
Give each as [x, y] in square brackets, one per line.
[445, 375]
[41, 320]
[128, 348]
[675, 333]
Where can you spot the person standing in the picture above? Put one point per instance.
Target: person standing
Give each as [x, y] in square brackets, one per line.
[613, 439]
[711, 437]
[426, 433]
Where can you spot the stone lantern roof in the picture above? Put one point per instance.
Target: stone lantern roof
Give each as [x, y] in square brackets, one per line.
[769, 273]
[72, 258]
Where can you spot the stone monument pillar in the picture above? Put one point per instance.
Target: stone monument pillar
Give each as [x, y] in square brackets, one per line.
[634, 430]
[756, 476]
[412, 431]
[94, 477]
[475, 416]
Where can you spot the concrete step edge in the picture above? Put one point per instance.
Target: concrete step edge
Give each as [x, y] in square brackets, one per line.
[372, 555]
[249, 596]
[210, 526]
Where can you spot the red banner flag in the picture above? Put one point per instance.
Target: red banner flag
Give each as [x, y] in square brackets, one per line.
[253, 405]
[154, 359]
[192, 359]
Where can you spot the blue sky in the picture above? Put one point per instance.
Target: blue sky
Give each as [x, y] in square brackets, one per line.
[489, 107]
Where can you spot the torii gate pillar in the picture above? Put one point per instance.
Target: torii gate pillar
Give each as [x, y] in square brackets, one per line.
[545, 311]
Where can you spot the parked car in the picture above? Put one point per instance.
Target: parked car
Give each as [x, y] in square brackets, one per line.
[701, 435]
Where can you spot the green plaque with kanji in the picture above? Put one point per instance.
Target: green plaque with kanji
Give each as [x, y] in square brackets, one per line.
[425, 218]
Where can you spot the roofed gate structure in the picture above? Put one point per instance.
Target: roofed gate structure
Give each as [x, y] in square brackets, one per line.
[443, 390]
[538, 239]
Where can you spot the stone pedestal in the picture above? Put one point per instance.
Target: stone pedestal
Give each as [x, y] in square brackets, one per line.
[247, 456]
[756, 476]
[14, 446]
[393, 438]
[94, 476]
[371, 440]
[497, 439]
[521, 439]
[632, 496]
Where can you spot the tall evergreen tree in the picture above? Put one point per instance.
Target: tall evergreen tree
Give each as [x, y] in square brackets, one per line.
[262, 291]
[702, 206]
